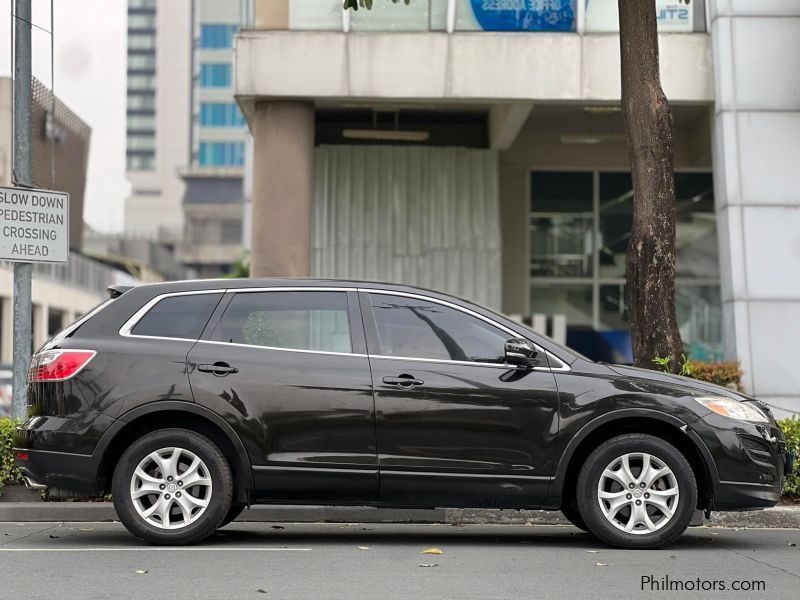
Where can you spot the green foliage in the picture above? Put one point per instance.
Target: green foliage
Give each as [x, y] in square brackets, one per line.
[727, 374]
[8, 438]
[241, 268]
[791, 431]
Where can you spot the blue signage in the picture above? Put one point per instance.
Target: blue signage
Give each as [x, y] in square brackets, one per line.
[525, 15]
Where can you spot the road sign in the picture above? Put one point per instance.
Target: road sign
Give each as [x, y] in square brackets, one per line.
[34, 225]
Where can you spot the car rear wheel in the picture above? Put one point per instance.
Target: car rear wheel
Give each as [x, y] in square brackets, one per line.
[636, 491]
[172, 486]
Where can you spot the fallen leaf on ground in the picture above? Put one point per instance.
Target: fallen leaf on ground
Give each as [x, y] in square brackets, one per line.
[87, 529]
[141, 571]
[593, 551]
[599, 564]
[261, 591]
[53, 537]
[428, 565]
[433, 551]
[364, 548]
[792, 545]
[278, 527]
[672, 556]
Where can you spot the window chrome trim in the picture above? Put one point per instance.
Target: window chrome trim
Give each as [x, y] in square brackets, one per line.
[238, 345]
[127, 327]
[562, 368]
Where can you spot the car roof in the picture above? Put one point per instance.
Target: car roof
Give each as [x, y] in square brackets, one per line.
[268, 282]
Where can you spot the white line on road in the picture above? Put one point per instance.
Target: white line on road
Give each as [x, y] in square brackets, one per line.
[156, 549]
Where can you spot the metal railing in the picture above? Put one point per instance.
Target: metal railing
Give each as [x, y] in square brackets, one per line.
[78, 272]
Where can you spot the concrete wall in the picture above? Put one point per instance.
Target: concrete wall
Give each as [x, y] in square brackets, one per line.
[756, 157]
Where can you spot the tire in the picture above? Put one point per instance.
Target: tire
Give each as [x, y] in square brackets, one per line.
[570, 511]
[661, 515]
[234, 511]
[150, 496]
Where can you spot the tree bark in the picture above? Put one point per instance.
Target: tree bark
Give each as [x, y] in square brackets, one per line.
[650, 263]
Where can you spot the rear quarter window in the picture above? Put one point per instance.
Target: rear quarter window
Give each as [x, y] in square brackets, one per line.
[178, 316]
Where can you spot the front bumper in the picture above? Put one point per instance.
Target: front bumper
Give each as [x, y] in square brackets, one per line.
[749, 462]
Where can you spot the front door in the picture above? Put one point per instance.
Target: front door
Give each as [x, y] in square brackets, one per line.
[290, 367]
[456, 426]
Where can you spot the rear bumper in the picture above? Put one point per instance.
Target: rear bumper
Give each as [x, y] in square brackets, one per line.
[64, 471]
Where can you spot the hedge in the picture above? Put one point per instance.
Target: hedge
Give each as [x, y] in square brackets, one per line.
[9, 474]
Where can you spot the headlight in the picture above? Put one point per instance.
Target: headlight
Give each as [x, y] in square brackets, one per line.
[733, 409]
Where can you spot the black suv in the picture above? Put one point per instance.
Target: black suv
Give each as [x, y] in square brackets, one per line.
[191, 400]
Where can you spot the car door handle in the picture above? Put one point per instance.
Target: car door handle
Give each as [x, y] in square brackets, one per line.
[220, 369]
[404, 381]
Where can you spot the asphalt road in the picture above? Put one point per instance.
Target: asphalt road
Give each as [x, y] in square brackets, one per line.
[331, 561]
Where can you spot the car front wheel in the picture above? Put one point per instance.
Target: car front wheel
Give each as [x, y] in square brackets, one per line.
[636, 491]
[172, 486]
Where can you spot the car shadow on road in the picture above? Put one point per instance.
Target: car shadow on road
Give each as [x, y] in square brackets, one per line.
[562, 537]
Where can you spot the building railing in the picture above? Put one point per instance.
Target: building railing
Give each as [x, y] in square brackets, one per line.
[590, 16]
[78, 272]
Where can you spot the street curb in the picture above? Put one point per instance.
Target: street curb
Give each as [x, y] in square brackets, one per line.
[779, 516]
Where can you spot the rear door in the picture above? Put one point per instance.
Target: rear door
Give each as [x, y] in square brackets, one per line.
[290, 367]
[456, 425]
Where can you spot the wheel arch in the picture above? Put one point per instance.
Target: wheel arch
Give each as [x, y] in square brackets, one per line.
[168, 414]
[662, 425]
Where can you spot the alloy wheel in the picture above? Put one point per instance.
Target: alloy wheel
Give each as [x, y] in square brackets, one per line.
[171, 488]
[638, 493]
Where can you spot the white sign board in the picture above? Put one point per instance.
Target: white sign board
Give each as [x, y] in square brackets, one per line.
[34, 225]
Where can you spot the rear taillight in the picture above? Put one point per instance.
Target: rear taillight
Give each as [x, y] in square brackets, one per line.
[58, 365]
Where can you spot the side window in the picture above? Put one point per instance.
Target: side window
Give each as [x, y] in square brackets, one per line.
[178, 316]
[291, 320]
[416, 328]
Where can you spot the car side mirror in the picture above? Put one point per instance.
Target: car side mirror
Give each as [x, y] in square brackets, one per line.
[521, 353]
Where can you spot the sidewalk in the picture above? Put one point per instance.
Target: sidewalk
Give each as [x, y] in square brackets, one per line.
[779, 516]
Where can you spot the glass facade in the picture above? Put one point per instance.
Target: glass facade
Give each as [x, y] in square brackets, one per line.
[216, 75]
[217, 35]
[221, 154]
[141, 84]
[580, 223]
[220, 114]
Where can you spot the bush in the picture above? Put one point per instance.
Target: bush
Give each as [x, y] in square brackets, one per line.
[791, 429]
[727, 374]
[9, 473]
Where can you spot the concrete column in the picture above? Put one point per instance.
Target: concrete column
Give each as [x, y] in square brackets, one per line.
[7, 328]
[283, 164]
[756, 145]
[41, 313]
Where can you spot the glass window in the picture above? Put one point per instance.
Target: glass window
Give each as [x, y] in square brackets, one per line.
[216, 75]
[141, 3]
[221, 154]
[220, 114]
[141, 141]
[696, 228]
[178, 316]
[141, 101]
[392, 16]
[416, 328]
[142, 122]
[142, 41]
[141, 61]
[315, 14]
[141, 21]
[561, 224]
[140, 162]
[141, 82]
[671, 15]
[615, 222]
[292, 320]
[217, 35]
[515, 15]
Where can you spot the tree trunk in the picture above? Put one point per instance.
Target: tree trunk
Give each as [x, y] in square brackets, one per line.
[650, 264]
